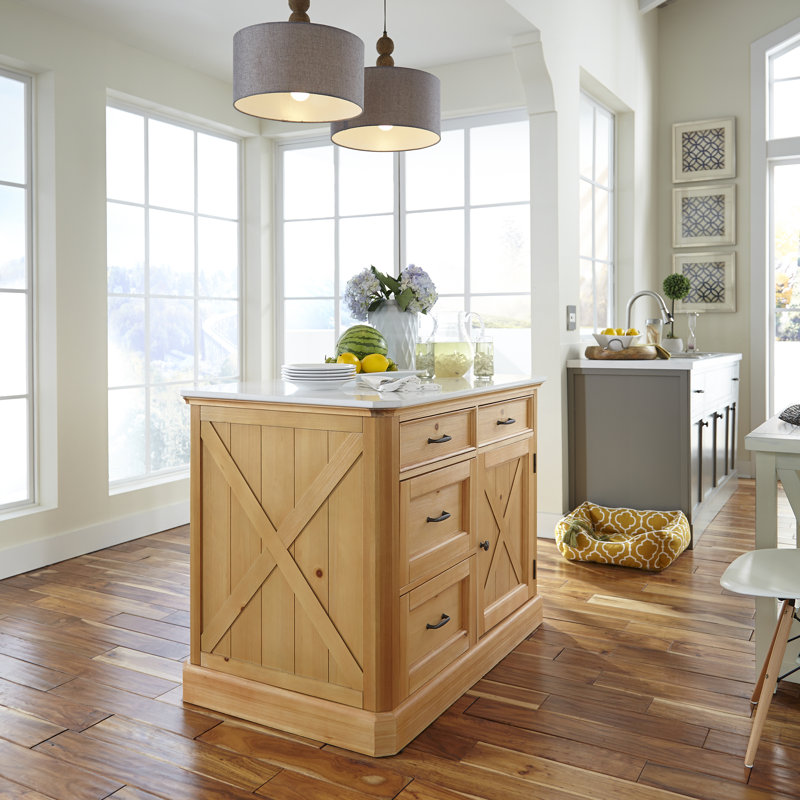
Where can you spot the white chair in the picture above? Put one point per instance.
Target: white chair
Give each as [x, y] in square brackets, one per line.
[768, 572]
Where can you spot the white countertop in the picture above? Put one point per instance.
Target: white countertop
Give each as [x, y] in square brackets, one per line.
[348, 396]
[656, 364]
[774, 436]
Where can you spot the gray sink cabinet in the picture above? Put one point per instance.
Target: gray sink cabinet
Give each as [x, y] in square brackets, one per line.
[654, 434]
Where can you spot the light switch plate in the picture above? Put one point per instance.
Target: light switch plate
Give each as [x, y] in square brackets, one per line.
[572, 318]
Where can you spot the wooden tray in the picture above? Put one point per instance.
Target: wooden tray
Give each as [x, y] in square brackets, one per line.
[642, 352]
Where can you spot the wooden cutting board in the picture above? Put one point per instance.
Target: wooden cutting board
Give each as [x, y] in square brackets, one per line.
[643, 352]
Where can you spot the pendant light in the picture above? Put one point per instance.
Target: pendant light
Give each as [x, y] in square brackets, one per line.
[401, 107]
[298, 71]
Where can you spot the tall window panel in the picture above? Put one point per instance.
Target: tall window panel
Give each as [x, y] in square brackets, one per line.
[784, 205]
[460, 210]
[174, 309]
[16, 290]
[597, 223]
[467, 221]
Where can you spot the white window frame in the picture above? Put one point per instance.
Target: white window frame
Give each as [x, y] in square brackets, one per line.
[153, 477]
[29, 290]
[765, 153]
[598, 107]
[399, 213]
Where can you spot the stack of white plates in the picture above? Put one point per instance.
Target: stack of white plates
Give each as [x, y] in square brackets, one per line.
[318, 376]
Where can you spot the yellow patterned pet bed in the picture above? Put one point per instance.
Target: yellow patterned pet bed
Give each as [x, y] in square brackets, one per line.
[648, 540]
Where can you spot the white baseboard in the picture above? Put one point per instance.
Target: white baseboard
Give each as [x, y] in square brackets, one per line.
[49, 550]
[546, 524]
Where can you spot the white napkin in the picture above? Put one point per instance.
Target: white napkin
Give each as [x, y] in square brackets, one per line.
[383, 383]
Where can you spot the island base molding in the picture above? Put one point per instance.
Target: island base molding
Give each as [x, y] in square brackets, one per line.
[382, 733]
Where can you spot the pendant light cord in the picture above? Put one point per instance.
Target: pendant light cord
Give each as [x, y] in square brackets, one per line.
[385, 46]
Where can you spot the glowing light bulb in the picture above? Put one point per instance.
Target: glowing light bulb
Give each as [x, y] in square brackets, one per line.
[299, 96]
[385, 127]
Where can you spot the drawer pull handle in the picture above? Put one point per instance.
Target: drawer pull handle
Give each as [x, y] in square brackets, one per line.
[444, 620]
[441, 440]
[441, 518]
[734, 379]
[699, 391]
[509, 421]
[484, 545]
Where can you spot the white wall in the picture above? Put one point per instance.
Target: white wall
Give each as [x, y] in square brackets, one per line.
[610, 49]
[75, 69]
[705, 74]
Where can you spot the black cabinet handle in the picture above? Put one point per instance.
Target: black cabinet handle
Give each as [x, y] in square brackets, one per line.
[509, 421]
[699, 391]
[484, 545]
[445, 619]
[734, 379]
[717, 415]
[441, 440]
[441, 518]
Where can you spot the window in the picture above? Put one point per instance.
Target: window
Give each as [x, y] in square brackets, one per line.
[784, 212]
[173, 283]
[16, 290]
[460, 210]
[597, 208]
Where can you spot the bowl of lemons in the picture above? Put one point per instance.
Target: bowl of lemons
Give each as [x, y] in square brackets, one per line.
[616, 338]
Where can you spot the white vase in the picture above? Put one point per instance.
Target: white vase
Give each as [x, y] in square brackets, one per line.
[672, 345]
[399, 328]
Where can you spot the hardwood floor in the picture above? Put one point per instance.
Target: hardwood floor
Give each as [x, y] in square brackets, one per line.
[635, 687]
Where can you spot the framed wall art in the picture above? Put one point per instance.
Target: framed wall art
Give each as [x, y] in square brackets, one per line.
[703, 150]
[712, 280]
[703, 215]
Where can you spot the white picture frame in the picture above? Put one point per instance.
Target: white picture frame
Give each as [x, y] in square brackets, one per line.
[712, 276]
[704, 150]
[704, 215]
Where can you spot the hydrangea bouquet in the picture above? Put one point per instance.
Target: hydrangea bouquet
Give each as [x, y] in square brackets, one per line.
[413, 290]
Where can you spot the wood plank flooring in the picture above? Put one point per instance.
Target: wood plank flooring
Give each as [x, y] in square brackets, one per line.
[635, 687]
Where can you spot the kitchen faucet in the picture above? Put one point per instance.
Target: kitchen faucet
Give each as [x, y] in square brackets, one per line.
[665, 314]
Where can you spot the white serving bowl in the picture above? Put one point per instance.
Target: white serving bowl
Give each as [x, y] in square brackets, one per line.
[615, 342]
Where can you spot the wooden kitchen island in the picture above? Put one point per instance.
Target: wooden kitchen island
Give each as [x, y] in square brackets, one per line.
[358, 561]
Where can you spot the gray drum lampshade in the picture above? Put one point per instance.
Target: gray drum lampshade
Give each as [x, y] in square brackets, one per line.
[401, 112]
[274, 60]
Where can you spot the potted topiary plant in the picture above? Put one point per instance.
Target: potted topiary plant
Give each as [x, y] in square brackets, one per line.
[675, 287]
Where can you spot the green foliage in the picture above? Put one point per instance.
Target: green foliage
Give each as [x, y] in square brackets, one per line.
[676, 286]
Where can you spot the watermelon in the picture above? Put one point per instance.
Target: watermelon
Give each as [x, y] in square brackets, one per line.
[361, 340]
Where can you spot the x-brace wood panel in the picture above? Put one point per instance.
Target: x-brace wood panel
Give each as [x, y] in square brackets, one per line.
[503, 528]
[276, 543]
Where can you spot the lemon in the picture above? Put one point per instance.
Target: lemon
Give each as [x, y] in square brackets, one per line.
[349, 358]
[632, 332]
[619, 332]
[374, 362]
[607, 332]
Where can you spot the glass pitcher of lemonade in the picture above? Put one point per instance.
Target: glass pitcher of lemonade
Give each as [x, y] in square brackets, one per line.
[453, 350]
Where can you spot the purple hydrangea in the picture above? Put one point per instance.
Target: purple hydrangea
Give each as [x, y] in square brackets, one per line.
[361, 291]
[422, 287]
[413, 289]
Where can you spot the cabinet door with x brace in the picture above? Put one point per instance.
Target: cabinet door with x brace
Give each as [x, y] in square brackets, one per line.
[506, 525]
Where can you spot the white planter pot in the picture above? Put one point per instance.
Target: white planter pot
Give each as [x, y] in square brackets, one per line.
[672, 345]
[399, 328]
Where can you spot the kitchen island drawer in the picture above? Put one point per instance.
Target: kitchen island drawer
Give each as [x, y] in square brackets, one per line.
[438, 623]
[431, 438]
[501, 420]
[436, 527]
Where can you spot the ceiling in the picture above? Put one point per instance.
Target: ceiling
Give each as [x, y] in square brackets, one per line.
[198, 33]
